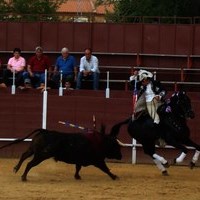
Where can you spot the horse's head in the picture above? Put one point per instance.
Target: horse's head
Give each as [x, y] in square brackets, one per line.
[181, 101]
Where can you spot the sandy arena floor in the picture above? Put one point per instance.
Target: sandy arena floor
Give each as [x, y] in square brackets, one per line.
[52, 181]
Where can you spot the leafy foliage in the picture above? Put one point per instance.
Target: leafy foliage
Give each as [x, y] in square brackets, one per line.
[27, 9]
[4, 6]
[35, 6]
[124, 9]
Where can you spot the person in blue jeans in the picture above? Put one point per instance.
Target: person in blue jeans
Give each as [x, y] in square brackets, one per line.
[89, 69]
[65, 64]
[36, 69]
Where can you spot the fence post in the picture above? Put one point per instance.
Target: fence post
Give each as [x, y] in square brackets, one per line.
[189, 62]
[134, 151]
[154, 76]
[175, 86]
[126, 85]
[138, 60]
[13, 87]
[182, 74]
[107, 86]
[44, 112]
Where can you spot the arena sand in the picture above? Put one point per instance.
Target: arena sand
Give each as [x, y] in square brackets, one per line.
[55, 181]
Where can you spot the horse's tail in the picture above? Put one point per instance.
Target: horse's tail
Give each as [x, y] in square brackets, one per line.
[115, 129]
[21, 139]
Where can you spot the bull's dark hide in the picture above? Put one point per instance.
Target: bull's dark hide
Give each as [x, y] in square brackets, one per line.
[81, 149]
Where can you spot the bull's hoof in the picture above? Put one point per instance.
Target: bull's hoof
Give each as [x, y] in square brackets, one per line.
[165, 173]
[77, 177]
[23, 178]
[192, 165]
[114, 177]
[166, 165]
[15, 169]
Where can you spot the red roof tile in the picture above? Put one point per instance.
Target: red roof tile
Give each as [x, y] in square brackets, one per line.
[83, 6]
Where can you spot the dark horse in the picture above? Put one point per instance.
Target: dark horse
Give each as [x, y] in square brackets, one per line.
[172, 129]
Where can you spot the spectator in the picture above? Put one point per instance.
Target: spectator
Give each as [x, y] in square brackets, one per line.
[16, 64]
[36, 69]
[89, 69]
[67, 65]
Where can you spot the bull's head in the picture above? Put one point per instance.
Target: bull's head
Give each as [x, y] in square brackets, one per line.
[112, 148]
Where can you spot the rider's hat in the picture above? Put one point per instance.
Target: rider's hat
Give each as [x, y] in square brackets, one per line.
[143, 74]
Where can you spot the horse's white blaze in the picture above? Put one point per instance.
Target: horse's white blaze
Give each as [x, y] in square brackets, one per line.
[196, 156]
[181, 158]
[159, 165]
[161, 159]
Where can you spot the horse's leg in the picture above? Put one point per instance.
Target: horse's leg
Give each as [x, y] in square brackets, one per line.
[161, 167]
[183, 149]
[149, 149]
[161, 159]
[180, 158]
[195, 158]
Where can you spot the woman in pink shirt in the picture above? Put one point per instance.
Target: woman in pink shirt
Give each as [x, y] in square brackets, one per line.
[16, 64]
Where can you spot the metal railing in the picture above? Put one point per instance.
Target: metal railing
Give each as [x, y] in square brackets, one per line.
[95, 17]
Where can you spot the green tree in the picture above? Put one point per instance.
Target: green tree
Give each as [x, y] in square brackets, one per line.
[123, 9]
[35, 6]
[4, 6]
[29, 9]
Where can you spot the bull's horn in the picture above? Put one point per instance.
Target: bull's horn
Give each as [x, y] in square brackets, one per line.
[121, 143]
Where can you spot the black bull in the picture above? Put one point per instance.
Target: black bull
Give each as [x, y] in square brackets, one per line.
[81, 149]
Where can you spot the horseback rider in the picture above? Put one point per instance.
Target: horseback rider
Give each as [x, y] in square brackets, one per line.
[150, 91]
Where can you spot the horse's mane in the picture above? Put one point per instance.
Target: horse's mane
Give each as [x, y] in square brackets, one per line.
[177, 102]
[173, 112]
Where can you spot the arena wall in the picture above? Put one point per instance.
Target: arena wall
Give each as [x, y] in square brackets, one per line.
[160, 45]
[22, 113]
[140, 44]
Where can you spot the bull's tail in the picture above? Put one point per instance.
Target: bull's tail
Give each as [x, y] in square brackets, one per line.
[21, 139]
[115, 129]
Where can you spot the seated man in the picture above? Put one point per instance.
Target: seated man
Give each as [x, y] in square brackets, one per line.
[16, 64]
[89, 69]
[65, 64]
[36, 69]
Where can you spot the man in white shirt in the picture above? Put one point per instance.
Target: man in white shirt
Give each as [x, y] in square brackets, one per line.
[89, 69]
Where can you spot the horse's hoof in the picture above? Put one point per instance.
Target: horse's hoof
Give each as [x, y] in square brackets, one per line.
[192, 165]
[165, 173]
[77, 177]
[23, 178]
[114, 177]
[174, 161]
[166, 165]
[15, 170]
